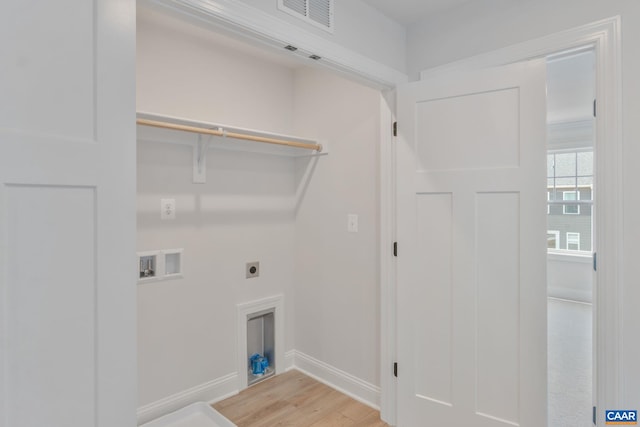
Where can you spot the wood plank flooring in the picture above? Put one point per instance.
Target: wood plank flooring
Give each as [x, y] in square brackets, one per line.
[296, 400]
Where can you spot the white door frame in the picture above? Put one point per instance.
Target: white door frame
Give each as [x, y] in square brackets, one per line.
[604, 37]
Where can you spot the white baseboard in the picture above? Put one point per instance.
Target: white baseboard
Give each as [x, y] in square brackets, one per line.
[223, 387]
[210, 392]
[570, 294]
[344, 382]
[289, 360]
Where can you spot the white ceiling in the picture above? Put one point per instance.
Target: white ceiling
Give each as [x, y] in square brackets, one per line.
[408, 11]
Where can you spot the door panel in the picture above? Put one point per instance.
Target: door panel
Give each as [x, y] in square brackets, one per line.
[43, 330]
[472, 264]
[50, 45]
[67, 213]
[497, 304]
[492, 123]
[433, 379]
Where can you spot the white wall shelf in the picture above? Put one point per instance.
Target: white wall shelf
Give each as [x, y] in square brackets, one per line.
[203, 136]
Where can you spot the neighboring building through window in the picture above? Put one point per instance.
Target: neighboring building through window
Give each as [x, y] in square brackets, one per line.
[553, 239]
[571, 208]
[573, 241]
[570, 199]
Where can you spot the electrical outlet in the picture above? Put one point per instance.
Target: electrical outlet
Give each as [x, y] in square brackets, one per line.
[253, 269]
[167, 208]
[352, 223]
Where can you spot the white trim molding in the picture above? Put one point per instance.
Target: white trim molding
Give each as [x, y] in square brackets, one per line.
[227, 386]
[266, 29]
[387, 268]
[289, 360]
[340, 380]
[570, 135]
[211, 392]
[605, 37]
[598, 34]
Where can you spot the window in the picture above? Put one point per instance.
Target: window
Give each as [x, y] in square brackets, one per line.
[570, 199]
[553, 239]
[573, 241]
[571, 209]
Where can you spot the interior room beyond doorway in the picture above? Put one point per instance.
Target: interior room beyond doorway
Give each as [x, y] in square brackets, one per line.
[570, 230]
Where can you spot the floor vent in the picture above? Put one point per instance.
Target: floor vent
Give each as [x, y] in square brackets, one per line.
[316, 12]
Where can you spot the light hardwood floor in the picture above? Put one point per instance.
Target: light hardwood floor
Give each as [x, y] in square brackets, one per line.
[296, 400]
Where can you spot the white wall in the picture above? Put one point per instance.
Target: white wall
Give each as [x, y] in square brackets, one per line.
[477, 27]
[185, 70]
[480, 27]
[336, 272]
[570, 277]
[571, 88]
[255, 207]
[358, 27]
[245, 211]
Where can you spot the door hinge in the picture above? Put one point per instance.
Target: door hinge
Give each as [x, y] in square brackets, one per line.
[395, 248]
[595, 108]
[395, 128]
[594, 416]
[395, 369]
[595, 261]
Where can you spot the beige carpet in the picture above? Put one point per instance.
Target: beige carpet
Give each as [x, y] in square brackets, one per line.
[570, 363]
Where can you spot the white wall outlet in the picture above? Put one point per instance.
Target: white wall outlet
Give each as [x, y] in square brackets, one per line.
[253, 269]
[352, 223]
[167, 208]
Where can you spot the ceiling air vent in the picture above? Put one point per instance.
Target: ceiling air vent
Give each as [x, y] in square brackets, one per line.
[316, 12]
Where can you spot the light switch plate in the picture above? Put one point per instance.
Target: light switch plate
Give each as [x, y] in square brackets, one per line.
[352, 223]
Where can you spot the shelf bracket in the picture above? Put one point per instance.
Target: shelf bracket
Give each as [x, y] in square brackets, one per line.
[200, 161]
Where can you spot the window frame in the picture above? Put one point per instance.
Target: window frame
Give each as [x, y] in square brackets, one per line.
[556, 233]
[581, 189]
[574, 234]
[576, 191]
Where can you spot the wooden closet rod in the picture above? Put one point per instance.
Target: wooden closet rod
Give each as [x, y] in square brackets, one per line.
[216, 132]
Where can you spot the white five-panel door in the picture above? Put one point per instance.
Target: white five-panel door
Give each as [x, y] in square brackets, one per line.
[67, 213]
[472, 252]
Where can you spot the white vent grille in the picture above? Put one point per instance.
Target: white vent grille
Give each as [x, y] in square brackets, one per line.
[320, 11]
[297, 6]
[315, 12]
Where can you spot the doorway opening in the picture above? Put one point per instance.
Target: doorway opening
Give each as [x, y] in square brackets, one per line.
[571, 87]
